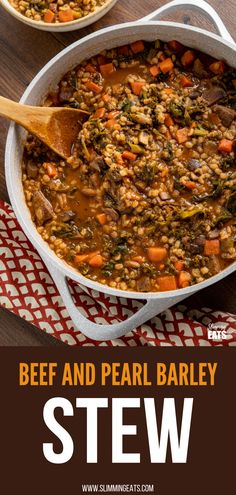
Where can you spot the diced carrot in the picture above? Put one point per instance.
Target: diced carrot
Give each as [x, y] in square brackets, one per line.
[168, 134]
[102, 218]
[123, 50]
[137, 46]
[188, 58]
[96, 261]
[90, 68]
[93, 87]
[106, 98]
[81, 258]
[156, 253]
[164, 172]
[119, 159]
[137, 87]
[167, 282]
[182, 135]
[166, 66]
[217, 67]
[225, 146]
[179, 265]
[112, 123]
[51, 169]
[189, 184]
[66, 15]
[100, 112]
[154, 70]
[128, 155]
[168, 120]
[167, 91]
[184, 279]
[175, 46]
[114, 114]
[186, 82]
[214, 119]
[212, 247]
[107, 69]
[48, 16]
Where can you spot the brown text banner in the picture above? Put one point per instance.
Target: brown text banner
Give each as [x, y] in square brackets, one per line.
[117, 420]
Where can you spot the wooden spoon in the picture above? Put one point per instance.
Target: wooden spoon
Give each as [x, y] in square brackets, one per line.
[57, 127]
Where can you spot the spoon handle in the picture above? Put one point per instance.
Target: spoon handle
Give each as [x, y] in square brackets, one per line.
[24, 115]
[12, 110]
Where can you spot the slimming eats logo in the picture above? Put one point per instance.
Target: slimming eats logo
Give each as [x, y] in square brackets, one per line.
[217, 332]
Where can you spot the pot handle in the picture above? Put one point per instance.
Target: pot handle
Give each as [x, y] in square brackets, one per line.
[198, 5]
[100, 332]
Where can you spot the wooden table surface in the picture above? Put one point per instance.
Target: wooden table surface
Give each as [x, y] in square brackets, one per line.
[23, 52]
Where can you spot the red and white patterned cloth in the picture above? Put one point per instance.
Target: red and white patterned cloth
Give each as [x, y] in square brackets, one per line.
[27, 290]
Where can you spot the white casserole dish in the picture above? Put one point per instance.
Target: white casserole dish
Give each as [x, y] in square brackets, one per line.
[146, 29]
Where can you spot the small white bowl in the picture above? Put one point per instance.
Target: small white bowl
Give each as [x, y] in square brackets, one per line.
[62, 26]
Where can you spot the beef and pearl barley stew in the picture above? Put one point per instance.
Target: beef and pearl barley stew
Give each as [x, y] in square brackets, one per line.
[147, 200]
[56, 11]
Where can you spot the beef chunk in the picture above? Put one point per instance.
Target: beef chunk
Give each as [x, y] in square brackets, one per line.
[65, 94]
[144, 284]
[199, 69]
[98, 164]
[213, 94]
[112, 214]
[194, 94]
[227, 115]
[214, 264]
[43, 209]
[67, 216]
[193, 164]
[32, 170]
[210, 147]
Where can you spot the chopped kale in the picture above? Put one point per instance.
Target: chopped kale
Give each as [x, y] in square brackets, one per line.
[227, 162]
[108, 268]
[126, 105]
[167, 152]
[73, 81]
[177, 110]
[120, 247]
[231, 203]
[147, 172]
[109, 200]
